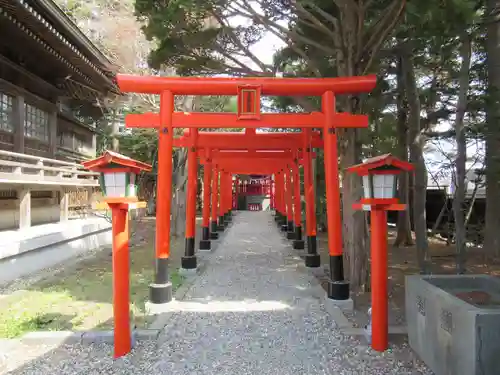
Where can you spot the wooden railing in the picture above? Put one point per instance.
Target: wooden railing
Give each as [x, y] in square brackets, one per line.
[18, 168]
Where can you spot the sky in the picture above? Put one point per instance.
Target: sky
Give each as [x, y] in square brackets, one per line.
[438, 152]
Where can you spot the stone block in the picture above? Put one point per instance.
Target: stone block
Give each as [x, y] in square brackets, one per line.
[98, 337]
[52, 337]
[146, 334]
[454, 322]
[343, 305]
[188, 272]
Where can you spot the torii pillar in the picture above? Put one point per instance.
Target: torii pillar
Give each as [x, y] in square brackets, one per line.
[205, 243]
[189, 261]
[215, 195]
[161, 289]
[280, 201]
[222, 202]
[236, 192]
[298, 242]
[312, 258]
[229, 198]
[289, 201]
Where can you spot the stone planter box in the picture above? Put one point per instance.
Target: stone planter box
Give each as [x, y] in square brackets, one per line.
[454, 322]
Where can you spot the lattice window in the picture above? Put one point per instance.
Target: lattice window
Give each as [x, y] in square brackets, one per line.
[66, 139]
[41, 194]
[6, 112]
[8, 194]
[36, 123]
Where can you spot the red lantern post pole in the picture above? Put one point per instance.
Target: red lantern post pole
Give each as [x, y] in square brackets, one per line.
[379, 326]
[121, 283]
[338, 288]
[205, 243]
[215, 194]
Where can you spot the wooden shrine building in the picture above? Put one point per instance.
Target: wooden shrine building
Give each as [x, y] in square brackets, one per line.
[53, 88]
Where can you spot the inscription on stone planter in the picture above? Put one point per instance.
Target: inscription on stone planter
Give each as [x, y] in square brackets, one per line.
[421, 305]
[446, 320]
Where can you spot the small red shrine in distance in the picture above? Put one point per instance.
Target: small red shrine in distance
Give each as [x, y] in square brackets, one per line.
[248, 116]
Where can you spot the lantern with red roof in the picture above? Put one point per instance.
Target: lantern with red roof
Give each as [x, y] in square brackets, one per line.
[380, 179]
[118, 175]
[119, 184]
[379, 184]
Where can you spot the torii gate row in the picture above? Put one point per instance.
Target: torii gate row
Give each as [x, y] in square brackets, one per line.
[304, 158]
[218, 174]
[220, 159]
[246, 141]
[249, 92]
[289, 206]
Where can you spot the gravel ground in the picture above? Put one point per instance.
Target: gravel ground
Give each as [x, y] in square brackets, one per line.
[251, 312]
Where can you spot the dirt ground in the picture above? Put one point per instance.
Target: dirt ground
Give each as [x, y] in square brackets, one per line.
[402, 262]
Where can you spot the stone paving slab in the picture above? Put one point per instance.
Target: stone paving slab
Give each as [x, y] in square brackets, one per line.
[252, 311]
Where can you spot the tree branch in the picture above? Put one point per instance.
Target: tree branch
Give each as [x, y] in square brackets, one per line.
[237, 41]
[274, 28]
[390, 21]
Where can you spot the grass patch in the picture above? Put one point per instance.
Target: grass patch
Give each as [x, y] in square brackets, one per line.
[80, 297]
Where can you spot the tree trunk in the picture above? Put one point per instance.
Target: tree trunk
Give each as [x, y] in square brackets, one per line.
[179, 194]
[354, 226]
[459, 198]
[403, 236]
[492, 136]
[417, 142]
[115, 131]
[179, 178]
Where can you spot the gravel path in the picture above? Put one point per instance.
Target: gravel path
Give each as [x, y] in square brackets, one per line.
[251, 312]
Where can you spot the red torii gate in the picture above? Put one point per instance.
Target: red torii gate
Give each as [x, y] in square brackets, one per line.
[249, 91]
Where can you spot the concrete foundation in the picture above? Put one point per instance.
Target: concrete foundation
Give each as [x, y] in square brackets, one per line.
[186, 272]
[23, 252]
[454, 322]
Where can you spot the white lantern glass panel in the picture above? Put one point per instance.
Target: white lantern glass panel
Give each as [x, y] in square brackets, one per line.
[115, 184]
[383, 185]
[132, 188]
[366, 187]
